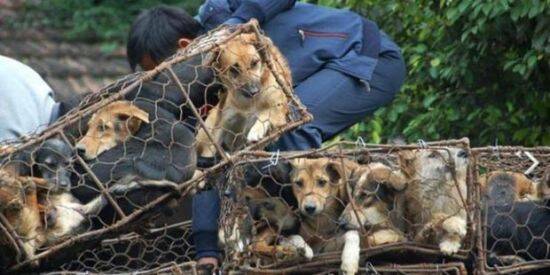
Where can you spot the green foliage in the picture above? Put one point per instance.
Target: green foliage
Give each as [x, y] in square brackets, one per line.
[479, 69]
[475, 68]
[103, 20]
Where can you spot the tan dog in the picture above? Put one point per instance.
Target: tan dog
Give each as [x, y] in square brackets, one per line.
[111, 125]
[271, 218]
[374, 189]
[436, 195]
[253, 102]
[320, 188]
[19, 203]
[506, 187]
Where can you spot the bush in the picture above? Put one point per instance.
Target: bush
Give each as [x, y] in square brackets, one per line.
[475, 69]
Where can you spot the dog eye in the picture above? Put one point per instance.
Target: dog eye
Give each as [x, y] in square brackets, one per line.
[234, 71]
[321, 183]
[299, 184]
[255, 63]
[432, 154]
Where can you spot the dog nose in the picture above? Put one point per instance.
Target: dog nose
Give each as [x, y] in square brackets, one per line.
[342, 223]
[310, 209]
[80, 149]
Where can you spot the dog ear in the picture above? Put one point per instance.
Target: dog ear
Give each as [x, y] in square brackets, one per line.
[133, 117]
[406, 162]
[334, 171]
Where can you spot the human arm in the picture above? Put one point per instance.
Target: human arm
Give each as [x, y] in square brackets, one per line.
[216, 12]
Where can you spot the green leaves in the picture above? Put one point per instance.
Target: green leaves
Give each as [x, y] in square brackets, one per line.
[475, 68]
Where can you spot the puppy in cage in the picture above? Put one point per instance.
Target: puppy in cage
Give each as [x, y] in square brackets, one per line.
[518, 228]
[375, 204]
[502, 187]
[139, 145]
[321, 190]
[252, 103]
[436, 196]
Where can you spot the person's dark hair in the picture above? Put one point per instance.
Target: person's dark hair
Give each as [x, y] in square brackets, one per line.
[156, 32]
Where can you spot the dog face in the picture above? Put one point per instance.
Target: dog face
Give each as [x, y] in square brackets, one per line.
[506, 187]
[435, 165]
[53, 160]
[315, 184]
[372, 195]
[111, 125]
[239, 66]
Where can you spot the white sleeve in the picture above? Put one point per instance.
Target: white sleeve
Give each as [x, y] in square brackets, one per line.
[26, 100]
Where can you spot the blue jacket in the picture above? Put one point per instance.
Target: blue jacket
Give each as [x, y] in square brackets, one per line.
[310, 37]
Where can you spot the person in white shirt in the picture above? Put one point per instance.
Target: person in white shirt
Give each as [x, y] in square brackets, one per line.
[27, 105]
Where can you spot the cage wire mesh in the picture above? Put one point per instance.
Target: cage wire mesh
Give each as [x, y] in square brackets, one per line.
[292, 211]
[106, 188]
[515, 227]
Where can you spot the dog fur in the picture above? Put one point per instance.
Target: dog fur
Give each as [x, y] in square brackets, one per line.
[435, 196]
[253, 102]
[374, 189]
[320, 187]
[19, 204]
[506, 187]
[272, 224]
[46, 163]
[140, 144]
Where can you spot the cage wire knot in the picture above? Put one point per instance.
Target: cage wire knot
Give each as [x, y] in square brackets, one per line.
[369, 269]
[360, 142]
[273, 159]
[422, 144]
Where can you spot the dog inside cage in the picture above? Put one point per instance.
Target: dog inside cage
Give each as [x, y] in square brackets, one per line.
[108, 187]
[312, 209]
[516, 210]
[125, 159]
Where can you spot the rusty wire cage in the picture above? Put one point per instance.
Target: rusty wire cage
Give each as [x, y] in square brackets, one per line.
[119, 163]
[515, 228]
[265, 207]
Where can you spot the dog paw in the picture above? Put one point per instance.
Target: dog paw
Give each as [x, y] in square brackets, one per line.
[349, 267]
[299, 244]
[258, 131]
[455, 225]
[449, 247]
[350, 253]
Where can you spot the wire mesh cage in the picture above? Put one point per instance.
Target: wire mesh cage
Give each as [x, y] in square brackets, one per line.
[340, 206]
[515, 227]
[125, 160]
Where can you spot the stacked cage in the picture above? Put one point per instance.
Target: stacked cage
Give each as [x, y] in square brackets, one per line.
[351, 208]
[515, 225]
[107, 188]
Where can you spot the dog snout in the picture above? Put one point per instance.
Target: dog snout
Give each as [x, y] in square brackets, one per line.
[342, 223]
[310, 209]
[251, 89]
[80, 149]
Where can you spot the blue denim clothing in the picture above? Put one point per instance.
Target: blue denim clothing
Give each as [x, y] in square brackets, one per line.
[311, 37]
[333, 54]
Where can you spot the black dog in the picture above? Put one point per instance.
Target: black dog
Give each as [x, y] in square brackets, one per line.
[197, 80]
[160, 150]
[517, 231]
[50, 160]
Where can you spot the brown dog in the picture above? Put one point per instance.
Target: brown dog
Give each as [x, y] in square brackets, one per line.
[111, 125]
[265, 228]
[435, 196]
[253, 102]
[374, 189]
[19, 204]
[320, 188]
[507, 187]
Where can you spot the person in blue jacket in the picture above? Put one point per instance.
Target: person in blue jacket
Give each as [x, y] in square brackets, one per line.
[343, 67]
